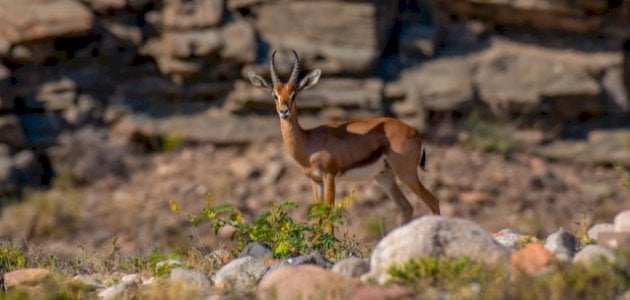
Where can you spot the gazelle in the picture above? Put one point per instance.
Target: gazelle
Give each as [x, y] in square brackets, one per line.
[380, 148]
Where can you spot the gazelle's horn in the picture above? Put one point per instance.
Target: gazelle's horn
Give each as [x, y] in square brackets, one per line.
[272, 68]
[295, 71]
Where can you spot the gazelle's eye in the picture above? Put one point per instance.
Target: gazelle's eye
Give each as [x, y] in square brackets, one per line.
[275, 97]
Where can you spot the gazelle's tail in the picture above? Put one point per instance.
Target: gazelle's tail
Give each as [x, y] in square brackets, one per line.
[423, 160]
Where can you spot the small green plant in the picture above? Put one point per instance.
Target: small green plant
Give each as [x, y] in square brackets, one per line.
[445, 274]
[526, 239]
[11, 258]
[624, 177]
[487, 136]
[171, 142]
[581, 231]
[275, 228]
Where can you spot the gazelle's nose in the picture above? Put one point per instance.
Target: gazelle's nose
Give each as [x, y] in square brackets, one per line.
[284, 114]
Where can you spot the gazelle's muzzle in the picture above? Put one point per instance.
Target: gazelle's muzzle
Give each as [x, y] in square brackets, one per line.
[284, 114]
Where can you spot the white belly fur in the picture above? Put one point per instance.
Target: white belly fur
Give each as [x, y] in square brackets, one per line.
[364, 172]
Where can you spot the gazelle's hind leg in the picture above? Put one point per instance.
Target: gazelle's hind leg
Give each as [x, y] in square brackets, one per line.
[387, 181]
[408, 173]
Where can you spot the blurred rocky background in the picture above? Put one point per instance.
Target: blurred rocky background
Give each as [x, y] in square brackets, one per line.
[98, 92]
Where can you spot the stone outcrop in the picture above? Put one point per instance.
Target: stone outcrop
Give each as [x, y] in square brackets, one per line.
[67, 64]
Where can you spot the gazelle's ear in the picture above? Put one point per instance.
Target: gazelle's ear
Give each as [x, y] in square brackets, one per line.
[258, 81]
[310, 79]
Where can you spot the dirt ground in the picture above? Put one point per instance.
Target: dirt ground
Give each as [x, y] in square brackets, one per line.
[521, 192]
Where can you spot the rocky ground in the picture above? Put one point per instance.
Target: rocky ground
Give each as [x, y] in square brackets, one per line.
[130, 200]
[450, 257]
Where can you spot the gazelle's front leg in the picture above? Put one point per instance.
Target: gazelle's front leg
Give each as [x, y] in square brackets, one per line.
[318, 191]
[329, 197]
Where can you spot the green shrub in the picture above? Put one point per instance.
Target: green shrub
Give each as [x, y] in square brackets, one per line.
[11, 258]
[275, 228]
[439, 274]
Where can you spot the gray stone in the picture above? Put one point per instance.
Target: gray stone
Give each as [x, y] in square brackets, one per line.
[87, 156]
[197, 43]
[305, 282]
[593, 254]
[190, 278]
[562, 244]
[511, 82]
[441, 85]
[602, 147]
[313, 258]
[256, 250]
[241, 274]
[434, 236]
[32, 20]
[622, 221]
[612, 82]
[349, 34]
[239, 42]
[186, 15]
[351, 267]
[86, 282]
[199, 128]
[118, 291]
[508, 238]
[614, 240]
[596, 229]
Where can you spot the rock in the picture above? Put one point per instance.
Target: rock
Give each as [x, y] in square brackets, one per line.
[25, 277]
[86, 282]
[508, 238]
[305, 282]
[119, 291]
[185, 15]
[87, 156]
[256, 250]
[442, 85]
[190, 278]
[352, 267]
[239, 42]
[349, 35]
[622, 221]
[540, 14]
[200, 128]
[593, 254]
[602, 147]
[242, 168]
[33, 20]
[313, 258]
[562, 244]
[511, 81]
[198, 43]
[614, 240]
[438, 237]
[106, 5]
[596, 229]
[11, 132]
[241, 274]
[530, 260]
[372, 292]
[612, 82]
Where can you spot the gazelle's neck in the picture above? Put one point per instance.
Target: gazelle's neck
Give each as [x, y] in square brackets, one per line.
[294, 138]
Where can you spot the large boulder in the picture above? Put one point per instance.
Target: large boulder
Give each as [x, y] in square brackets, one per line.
[305, 282]
[336, 36]
[241, 274]
[437, 237]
